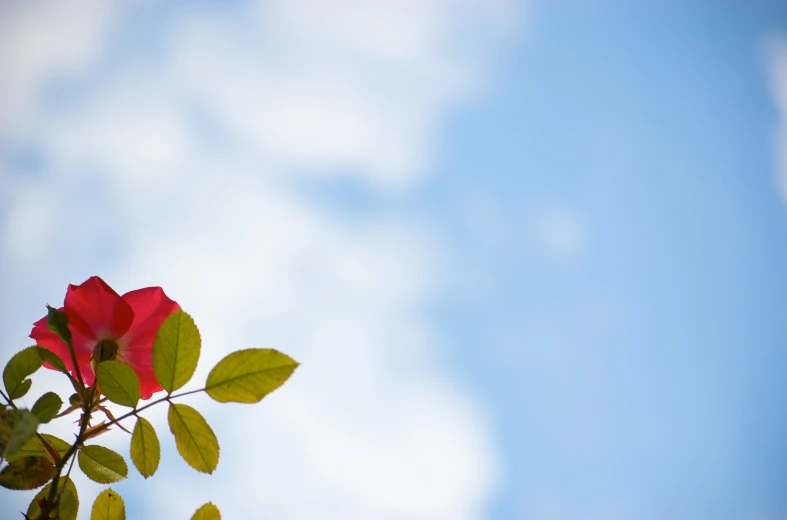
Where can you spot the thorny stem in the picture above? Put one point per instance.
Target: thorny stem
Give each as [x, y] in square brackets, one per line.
[76, 364]
[68, 473]
[137, 410]
[83, 425]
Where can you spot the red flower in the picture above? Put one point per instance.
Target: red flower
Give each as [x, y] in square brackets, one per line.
[108, 326]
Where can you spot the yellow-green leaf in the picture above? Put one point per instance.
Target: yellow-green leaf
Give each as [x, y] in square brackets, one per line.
[34, 448]
[246, 376]
[27, 473]
[102, 465]
[18, 368]
[145, 448]
[16, 428]
[47, 407]
[118, 381]
[67, 509]
[108, 506]
[47, 356]
[66, 504]
[208, 511]
[196, 442]
[176, 351]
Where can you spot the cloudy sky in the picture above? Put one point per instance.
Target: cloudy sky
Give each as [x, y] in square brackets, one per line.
[531, 256]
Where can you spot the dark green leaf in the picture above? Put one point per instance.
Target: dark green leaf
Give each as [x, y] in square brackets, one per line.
[16, 371]
[118, 381]
[65, 486]
[47, 356]
[207, 512]
[145, 448]
[16, 428]
[102, 465]
[196, 442]
[108, 506]
[176, 351]
[27, 473]
[246, 376]
[47, 407]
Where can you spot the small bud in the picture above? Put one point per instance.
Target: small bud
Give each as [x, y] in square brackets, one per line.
[105, 350]
[57, 321]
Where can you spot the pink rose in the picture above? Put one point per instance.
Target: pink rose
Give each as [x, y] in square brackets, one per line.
[108, 326]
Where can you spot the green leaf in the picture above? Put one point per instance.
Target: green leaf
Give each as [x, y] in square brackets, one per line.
[102, 465]
[66, 487]
[118, 381]
[16, 428]
[108, 506]
[145, 448]
[246, 376]
[47, 407]
[27, 473]
[207, 512]
[196, 442]
[68, 507]
[176, 351]
[47, 356]
[18, 368]
[34, 447]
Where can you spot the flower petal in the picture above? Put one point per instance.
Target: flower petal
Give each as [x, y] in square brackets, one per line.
[96, 311]
[83, 348]
[151, 307]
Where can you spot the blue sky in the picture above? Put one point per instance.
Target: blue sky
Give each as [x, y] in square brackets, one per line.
[644, 373]
[530, 255]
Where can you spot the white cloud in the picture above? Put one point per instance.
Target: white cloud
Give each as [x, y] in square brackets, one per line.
[41, 41]
[358, 87]
[28, 222]
[366, 421]
[368, 427]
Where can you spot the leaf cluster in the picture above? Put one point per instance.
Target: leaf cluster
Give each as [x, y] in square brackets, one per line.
[30, 460]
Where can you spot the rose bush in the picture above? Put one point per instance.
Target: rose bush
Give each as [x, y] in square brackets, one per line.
[115, 350]
[107, 326]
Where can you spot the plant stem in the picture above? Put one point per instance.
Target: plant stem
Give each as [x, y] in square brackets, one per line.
[7, 400]
[137, 410]
[76, 364]
[68, 473]
[83, 425]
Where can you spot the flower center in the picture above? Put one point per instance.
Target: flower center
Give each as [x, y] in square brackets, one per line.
[105, 350]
